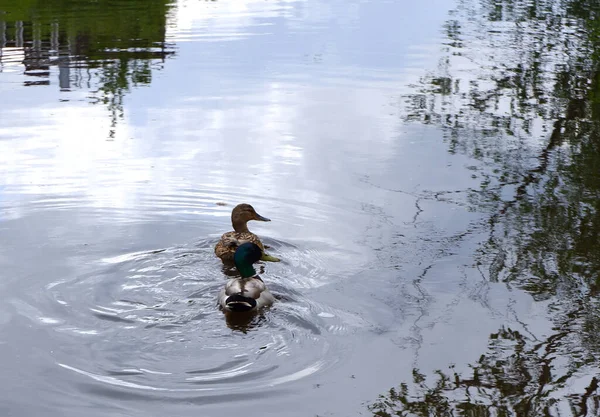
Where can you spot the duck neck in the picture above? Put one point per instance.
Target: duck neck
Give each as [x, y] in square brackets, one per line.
[246, 270]
[240, 226]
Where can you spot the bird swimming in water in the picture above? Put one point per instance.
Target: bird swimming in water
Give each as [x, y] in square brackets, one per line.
[246, 293]
[240, 216]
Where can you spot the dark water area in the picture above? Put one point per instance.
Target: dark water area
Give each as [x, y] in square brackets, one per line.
[432, 172]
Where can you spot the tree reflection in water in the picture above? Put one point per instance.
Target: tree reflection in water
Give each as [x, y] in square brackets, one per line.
[104, 46]
[519, 90]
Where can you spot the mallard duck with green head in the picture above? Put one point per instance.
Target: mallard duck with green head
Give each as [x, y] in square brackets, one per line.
[227, 245]
[247, 293]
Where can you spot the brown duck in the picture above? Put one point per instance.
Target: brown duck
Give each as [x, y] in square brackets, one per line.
[229, 242]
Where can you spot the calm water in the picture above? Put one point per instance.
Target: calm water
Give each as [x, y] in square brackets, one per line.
[432, 172]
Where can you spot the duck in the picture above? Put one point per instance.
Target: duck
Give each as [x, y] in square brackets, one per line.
[247, 293]
[240, 216]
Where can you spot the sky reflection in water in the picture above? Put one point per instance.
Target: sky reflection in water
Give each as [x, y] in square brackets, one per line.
[345, 123]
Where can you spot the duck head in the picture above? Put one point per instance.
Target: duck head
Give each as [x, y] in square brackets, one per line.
[246, 255]
[242, 214]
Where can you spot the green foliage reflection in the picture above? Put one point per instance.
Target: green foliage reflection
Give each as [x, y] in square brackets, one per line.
[528, 108]
[106, 46]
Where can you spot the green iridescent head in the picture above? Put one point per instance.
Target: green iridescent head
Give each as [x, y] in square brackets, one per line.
[245, 256]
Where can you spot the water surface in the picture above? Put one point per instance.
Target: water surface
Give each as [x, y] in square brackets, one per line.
[429, 171]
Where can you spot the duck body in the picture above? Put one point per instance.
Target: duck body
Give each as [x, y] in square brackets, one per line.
[226, 246]
[246, 293]
[229, 242]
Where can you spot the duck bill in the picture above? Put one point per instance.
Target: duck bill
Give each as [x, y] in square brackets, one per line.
[262, 218]
[269, 258]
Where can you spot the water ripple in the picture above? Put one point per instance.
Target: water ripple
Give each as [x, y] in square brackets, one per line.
[149, 321]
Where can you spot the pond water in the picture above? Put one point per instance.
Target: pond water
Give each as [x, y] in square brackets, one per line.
[431, 172]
